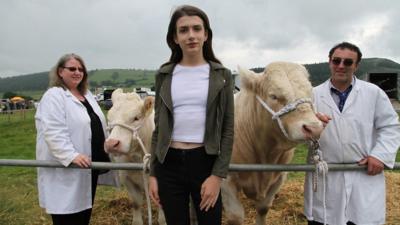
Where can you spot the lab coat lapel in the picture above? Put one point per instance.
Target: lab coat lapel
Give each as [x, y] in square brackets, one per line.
[74, 99]
[352, 97]
[326, 97]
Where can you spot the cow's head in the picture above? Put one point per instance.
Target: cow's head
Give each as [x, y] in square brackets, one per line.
[129, 114]
[284, 92]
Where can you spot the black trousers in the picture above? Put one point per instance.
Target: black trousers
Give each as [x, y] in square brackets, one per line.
[79, 218]
[180, 177]
[318, 223]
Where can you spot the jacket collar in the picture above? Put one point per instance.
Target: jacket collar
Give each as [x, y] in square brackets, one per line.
[168, 68]
[216, 83]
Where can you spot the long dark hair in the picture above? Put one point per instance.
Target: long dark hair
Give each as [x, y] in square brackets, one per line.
[176, 51]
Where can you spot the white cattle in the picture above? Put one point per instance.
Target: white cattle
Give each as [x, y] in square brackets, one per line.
[273, 110]
[131, 121]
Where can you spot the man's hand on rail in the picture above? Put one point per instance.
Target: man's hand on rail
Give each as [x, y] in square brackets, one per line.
[374, 165]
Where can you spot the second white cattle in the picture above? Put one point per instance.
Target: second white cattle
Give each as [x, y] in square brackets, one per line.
[131, 121]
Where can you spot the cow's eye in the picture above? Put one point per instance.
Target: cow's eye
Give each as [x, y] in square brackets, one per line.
[134, 119]
[273, 97]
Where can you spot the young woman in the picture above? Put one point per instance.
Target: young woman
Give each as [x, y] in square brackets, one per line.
[194, 116]
[70, 129]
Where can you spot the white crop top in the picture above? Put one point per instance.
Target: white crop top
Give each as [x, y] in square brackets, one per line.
[189, 92]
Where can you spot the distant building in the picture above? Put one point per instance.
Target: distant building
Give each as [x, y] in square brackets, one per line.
[387, 81]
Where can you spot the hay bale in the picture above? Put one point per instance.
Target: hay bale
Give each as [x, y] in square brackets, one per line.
[286, 210]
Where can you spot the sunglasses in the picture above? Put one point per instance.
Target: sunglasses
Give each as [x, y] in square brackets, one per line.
[73, 69]
[346, 62]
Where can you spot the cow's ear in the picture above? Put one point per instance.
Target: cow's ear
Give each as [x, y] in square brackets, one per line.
[117, 92]
[248, 78]
[148, 105]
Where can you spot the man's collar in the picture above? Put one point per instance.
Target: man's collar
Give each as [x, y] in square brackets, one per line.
[353, 82]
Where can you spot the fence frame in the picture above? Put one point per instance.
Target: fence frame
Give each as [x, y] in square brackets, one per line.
[232, 167]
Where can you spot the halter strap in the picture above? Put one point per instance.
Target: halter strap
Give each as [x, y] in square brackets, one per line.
[286, 109]
[131, 128]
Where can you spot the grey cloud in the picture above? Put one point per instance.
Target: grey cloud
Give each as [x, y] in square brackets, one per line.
[131, 33]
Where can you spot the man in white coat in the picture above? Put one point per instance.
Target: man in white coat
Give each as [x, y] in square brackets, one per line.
[364, 129]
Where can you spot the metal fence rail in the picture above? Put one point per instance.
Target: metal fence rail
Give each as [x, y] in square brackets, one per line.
[232, 167]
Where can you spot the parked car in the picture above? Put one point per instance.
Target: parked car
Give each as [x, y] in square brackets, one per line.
[107, 104]
[107, 99]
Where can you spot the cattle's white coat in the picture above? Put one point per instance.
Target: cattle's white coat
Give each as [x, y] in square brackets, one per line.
[128, 113]
[258, 138]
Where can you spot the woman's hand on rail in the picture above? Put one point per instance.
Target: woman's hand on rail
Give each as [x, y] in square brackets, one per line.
[82, 161]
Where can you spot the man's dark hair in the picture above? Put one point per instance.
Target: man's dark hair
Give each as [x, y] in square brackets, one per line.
[349, 46]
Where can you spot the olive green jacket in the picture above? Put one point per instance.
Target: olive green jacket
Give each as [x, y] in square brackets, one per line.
[218, 137]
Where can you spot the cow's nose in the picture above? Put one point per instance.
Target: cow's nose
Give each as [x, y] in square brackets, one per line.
[111, 144]
[116, 143]
[307, 132]
[306, 128]
[312, 130]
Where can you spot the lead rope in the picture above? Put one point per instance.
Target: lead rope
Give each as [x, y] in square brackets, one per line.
[321, 167]
[146, 164]
[145, 172]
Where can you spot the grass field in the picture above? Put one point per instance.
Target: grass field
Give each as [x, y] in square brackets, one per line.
[18, 191]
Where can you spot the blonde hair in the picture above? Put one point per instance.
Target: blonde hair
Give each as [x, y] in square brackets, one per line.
[55, 79]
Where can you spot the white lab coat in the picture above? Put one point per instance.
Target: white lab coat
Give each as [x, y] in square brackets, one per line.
[367, 126]
[63, 131]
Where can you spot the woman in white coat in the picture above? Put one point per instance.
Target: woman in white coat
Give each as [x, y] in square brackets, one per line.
[70, 129]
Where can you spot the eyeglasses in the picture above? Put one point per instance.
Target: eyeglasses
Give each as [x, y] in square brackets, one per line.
[73, 69]
[346, 62]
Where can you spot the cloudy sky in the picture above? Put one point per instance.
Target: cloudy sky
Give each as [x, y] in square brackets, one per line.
[131, 33]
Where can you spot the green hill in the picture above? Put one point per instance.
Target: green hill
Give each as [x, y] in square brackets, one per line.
[30, 82]
[122, 78]
[35, 84]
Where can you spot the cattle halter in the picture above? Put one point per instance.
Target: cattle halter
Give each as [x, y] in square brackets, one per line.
[286, 109]
[146, 159]
[135, 135]
[321, 167]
